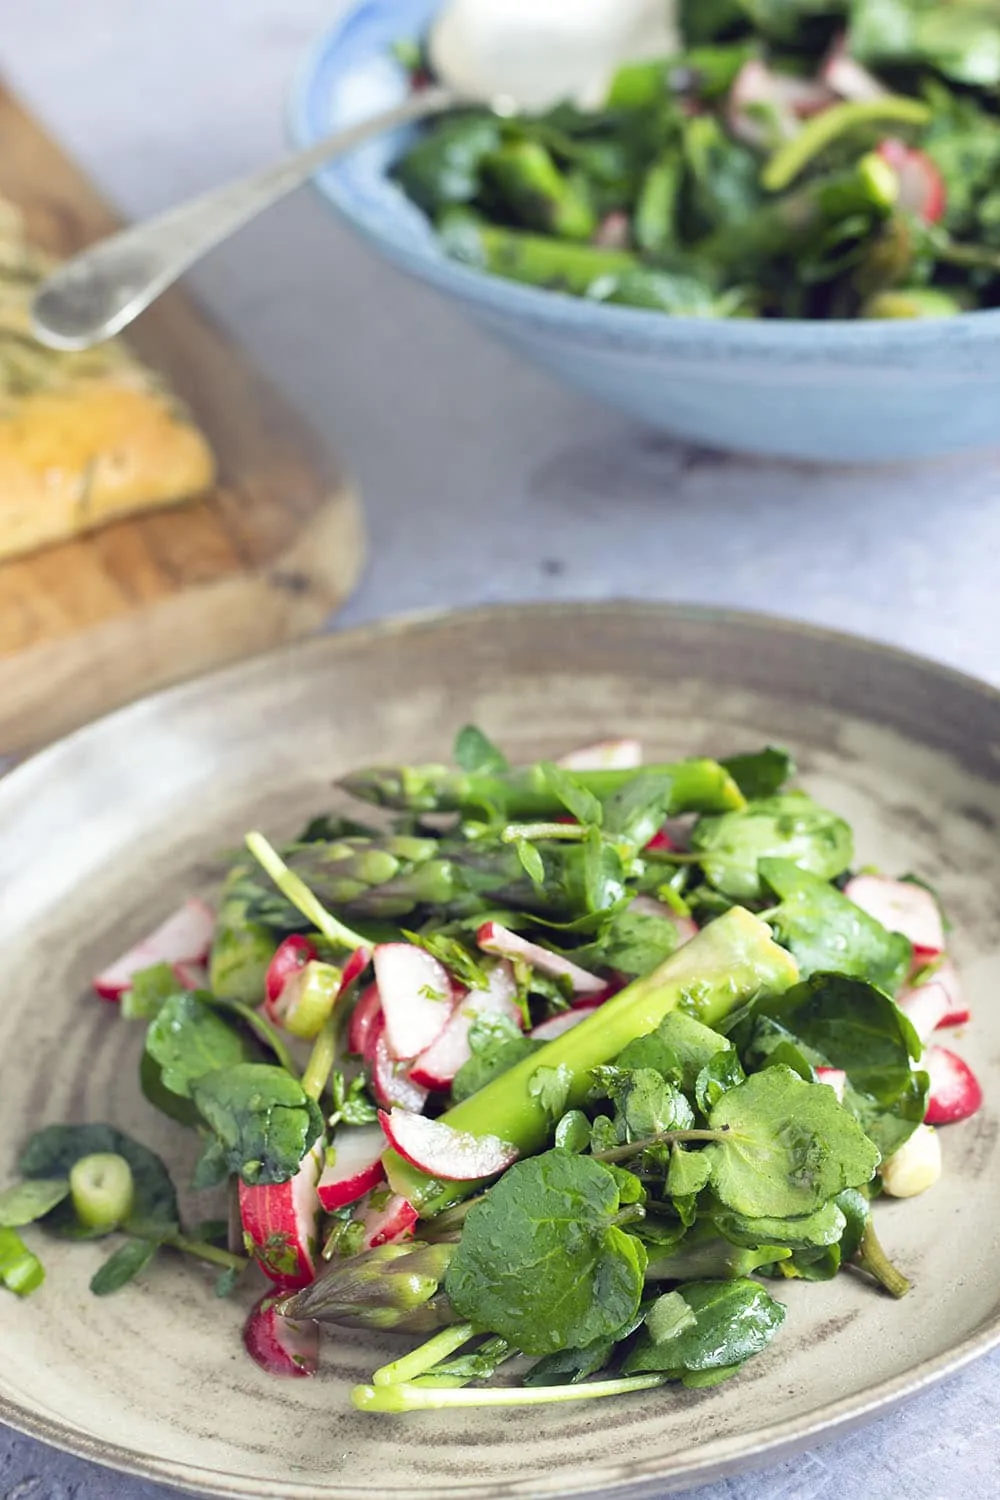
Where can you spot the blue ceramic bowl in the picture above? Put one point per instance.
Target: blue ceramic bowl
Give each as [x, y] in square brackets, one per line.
[838, 392]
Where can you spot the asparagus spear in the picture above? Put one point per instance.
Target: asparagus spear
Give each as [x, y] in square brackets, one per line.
[395, 1287]
[729, 963]
[526, 793]
[532, 258]
[393, 877]
[528, 178]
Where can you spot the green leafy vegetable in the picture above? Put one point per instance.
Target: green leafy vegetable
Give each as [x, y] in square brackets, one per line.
[123, 1266]
[789, 826]
[541, 1261]
[149, 990]
[262, 1120]
[723, 1323]
[27, 1201]
[187, 1040]
[788, 1146]
[762, 773]
[823, 930]
[476, 753]
[54, 1151]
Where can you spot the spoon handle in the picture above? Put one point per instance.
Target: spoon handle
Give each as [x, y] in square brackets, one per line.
[98, 293]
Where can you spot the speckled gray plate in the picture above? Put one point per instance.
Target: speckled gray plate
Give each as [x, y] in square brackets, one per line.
[104, 833]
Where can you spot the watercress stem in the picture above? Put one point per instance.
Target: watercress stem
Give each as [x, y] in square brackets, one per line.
[321, 1060]
[299, 894]
[572, 832]
[665, 1137]
[400, 1398]
[419, 1361]
[262, 1028]
[871, 1257]
[201, 1250]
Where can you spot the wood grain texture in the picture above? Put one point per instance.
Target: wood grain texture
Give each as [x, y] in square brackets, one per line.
[267, 555]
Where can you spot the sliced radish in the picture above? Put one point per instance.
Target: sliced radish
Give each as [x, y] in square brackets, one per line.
[356, 1167]
[192, 976]
[493, 938]
[387, 1217]
[848, 78]
[787, 101]
[391, 1080]
[281, 1346]
[417, 997]
[946, 975]
[365, 1023]
[955, 1090]
[926, 1007]
[685, 927]
[661, 842]
[292, 955]
[606, 755]
[915, 1167]
[835, 1078]
[355, 967]
[184, 938]
[547, 1031]
[921, 186]
[613, 233]
[901, 906]
[436, 1068]
[280, 1223]
[451, 1155]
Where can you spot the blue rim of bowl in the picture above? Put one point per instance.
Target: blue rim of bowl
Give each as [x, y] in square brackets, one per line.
[574, 316]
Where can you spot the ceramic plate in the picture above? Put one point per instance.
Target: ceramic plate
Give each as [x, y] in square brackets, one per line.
[106, 832]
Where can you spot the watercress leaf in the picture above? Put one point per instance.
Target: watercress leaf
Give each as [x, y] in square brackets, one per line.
[694, 1045]
[721, 1072]
[669, 1317]
[688, 1173]
[161, 1098]
[732, 1320]
[603, 1135]
[212, 1167]
[703, 1380]
[551, 1086]
[477, 754]
[823, 930]
[578, 801]
[497, 1043]
[764, 1042]
[21, 1271]
[261, 1118]
[651, 1051]
[811, 1264]
[790, 826]
[633, 942]
[850, 1024]
[123, 1266]
[761, 773]
[645, 1102]
[630, 1189]
[149, 990]
[55, 1150]
[187, 1040]
[789, 1146]
[639, 809]
[856, 1210]
[823, 1227]
[573, 1131]
[351, 1103]
[570, 1366]
[541, 1262]
[531, 861]
[225, 1282]
[26, 1202]
[444, 166]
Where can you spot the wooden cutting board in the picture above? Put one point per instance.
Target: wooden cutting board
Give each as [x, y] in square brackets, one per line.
[266, 556]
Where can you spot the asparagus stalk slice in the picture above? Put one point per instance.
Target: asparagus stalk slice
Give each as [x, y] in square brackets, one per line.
[525, 793]
[728, 964]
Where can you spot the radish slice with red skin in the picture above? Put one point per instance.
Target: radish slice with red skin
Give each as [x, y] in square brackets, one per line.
[946, 975]
[955, 1090]
[613, 233]
[661, 842]
[355, 967]
[926, 1007]
[417, 997]
[436, 1068]
[192, 976]
[836, 1078]
[606, 755]
[685, 927]
[451, 1155]
[789, 100]
[848, 78]
[291, 955]
[387, 1219]
[365, 1022]
[901, 906]
[547, 1031]
[280, 1223]
[184, 938]
[922, 188]
[356, 1169]
[282, 1346]
[494, 938]
[391, 1081]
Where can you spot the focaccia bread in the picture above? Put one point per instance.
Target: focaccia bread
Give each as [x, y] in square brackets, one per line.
[84, 437]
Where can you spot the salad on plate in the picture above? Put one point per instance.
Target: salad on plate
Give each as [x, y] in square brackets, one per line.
[793, 159]
[558, 1071]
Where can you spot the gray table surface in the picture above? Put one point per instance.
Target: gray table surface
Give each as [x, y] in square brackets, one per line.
[485, 482]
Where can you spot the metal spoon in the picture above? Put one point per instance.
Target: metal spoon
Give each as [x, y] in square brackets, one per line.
[101, 291]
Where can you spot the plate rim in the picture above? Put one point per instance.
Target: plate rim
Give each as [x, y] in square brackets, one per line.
[794, 1433]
